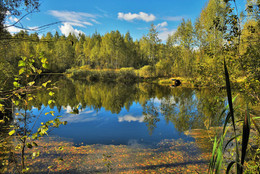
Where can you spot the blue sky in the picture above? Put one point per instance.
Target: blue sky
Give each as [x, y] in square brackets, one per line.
[135, 16]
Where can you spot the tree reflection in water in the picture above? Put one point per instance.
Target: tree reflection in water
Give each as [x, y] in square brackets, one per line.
[184, 107]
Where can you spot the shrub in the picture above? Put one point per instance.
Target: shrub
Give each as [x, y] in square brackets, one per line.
[126, 75]
[147, 71]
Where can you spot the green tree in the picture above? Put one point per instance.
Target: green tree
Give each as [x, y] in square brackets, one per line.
[153, 40]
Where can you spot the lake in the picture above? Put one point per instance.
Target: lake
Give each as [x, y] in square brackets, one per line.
[127, 114]
[124, 128]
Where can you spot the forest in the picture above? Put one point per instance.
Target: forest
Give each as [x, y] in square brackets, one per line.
[194, 50]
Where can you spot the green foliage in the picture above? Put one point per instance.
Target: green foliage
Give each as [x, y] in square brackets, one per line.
[21, 96]
[147, 71]
[126, 75]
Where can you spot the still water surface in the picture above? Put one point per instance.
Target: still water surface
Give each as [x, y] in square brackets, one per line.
[127, 114]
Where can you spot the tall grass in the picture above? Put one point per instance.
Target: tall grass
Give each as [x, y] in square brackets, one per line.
[218, 146]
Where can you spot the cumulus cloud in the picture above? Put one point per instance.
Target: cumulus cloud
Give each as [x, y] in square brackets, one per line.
[66, 29]
[141, 16]
[75, 18]
[164, 34]
[174, 18]
[130, 118]
[13, 29]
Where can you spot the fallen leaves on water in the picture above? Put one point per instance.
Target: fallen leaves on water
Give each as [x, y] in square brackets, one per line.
[170, 156]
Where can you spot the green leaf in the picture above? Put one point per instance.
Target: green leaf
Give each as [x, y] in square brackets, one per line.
[33, 68]
[16, 84]
[229, 94]
[51, 101]
[39, 71]
[44, 60]
[45, 66]
[45, 84]
[18, 147]
[34, 136]
[21, 71]
[24, 58]
[11, 132]
[35, 144]
[25, 170]
[226, 122]
[31, 83]
[21, 63]
[51, 93]
[230, 166]
[245, 137]
[34, 154]
[30, 98]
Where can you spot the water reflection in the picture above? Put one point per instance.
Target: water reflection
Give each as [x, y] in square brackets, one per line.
[137, 115]
[111, 113]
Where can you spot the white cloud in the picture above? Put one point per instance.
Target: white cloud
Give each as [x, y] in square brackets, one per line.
[28, 19]
[95, 21]
[13, 19]
[13, 29]
[141, 16]
[163, 24]
[164, 34]
[80, 118]
[174, 18]
[35, 28]
[130, 118]
[83, 116]
[68, 109]
[74, 18]
[67, 28]
[8, 13]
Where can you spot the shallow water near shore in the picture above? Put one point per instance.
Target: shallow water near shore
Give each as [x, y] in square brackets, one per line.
[125, 128]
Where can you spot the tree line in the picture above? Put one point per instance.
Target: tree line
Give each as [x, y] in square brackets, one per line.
[194, 50]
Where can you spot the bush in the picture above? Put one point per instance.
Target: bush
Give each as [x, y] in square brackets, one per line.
[147, 71]
[126, 75]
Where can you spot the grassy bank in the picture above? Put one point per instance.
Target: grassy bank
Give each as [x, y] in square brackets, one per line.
[126, 75]
[145, 74]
